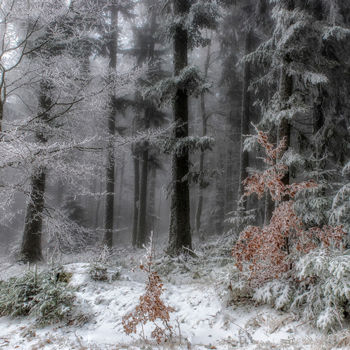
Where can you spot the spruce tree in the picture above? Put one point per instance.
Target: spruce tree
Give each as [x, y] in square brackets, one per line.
[189, 18]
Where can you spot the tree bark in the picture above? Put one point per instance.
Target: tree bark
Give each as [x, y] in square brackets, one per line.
[1, 112]
[142, 222]
[284, 128]
[152, 200]
[31, 249]
[229, 180]
[110, 167]
[219, 213]
[136, 197]
[286, 91]
[245, 122]
[120, 190]
[180, 230]
[204, 118]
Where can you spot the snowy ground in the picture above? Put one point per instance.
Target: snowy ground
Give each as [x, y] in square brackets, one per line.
[200, 320]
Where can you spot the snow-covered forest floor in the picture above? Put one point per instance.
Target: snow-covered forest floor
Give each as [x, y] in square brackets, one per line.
[201, 320]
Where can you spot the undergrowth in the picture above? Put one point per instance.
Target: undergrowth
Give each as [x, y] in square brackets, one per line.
[45, 296]
[99, 267]
[284, 263]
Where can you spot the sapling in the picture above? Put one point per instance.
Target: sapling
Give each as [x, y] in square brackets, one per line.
[151, 307]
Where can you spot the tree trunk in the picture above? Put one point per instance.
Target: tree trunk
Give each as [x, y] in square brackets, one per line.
[180, 230]
[120, 190]
[219, 213]
[136, 197]
[31, 243]
[1, 113]
[204, 118]
[110, 167]
[201, 168]
[284, 128]
[152, 200]
[245, 122]
[31, 250]
[269, 208]
[98, 205]
[229, 180]
[286, 91]
[142, 222]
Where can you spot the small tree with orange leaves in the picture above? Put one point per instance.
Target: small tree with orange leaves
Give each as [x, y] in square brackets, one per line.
[268, 252]
[151, 308]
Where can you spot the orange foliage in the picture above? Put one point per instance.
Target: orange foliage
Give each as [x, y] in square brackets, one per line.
[150, 308]
[267, 251]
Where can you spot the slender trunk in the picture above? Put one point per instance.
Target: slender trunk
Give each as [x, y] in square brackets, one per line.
[180, 230]
[110, 167]
[229, 196]
[286, 91]
[201, 168]
[120, 190]
[136, 198]
[284, 128]
[152, 200]
[269, 208]
[142, 222]
[318, 124]
[245, 121]
[219, 214]
[204, 118]
[1, 113]
[98, 206]
[3, 95]
[269, 205]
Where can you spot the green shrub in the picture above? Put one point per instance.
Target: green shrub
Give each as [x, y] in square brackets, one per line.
[45, 295]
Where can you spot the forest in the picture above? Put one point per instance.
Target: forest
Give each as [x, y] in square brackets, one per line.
[175, 174]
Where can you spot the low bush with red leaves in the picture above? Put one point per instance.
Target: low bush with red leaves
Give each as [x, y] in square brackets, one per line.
[150, 308]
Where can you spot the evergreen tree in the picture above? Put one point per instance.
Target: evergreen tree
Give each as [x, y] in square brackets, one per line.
[189, 18]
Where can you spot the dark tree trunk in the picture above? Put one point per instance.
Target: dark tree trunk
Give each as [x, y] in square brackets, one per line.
[31, 243]
[152, 200]
[204, 117]
[180, 230]
[120, 190]
[201, 168]
[284, 128]
[229, 180]
[98, 206]
[1, 112]
[269, 208]
[110, 167]
[136, 197]
[286, 91]
[318, 125]
[31, 250]
[219, 213]
[142, 222]
[245, 122]
[269, 205]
